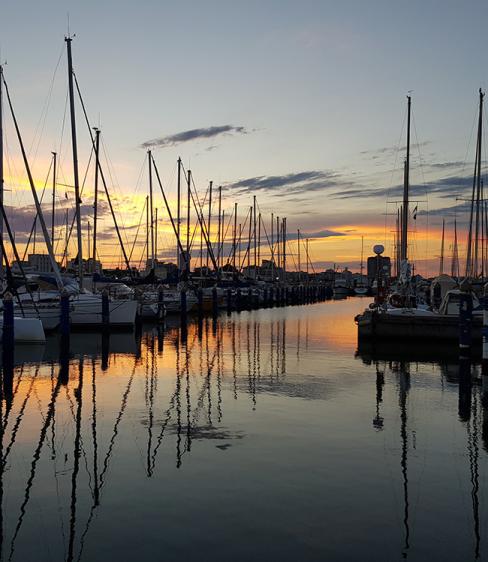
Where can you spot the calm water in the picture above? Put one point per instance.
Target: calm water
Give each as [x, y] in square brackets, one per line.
[264, 436]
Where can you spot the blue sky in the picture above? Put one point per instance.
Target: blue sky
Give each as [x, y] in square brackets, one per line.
[316, 86]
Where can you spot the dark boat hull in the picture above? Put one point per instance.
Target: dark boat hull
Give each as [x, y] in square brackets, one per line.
[374, 324]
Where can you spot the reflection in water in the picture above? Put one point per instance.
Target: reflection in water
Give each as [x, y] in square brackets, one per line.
[468, 403]
[113, 439]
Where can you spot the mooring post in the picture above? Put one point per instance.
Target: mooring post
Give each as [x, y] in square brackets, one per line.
[484, 363]
[160, 303]
[229, 301]
[64, 318]
[238, 298]
[200, 301]
[183, 306]
[465, 320]
[8, 337]
[105, 310]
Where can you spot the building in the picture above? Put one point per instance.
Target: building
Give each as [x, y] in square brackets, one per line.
[373, 264]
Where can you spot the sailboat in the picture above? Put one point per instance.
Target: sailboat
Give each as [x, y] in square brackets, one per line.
[440, 322]
[361, 287]
[26, 330]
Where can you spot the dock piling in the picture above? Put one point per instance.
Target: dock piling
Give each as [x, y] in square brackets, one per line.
[105, 310]
[484, 363]
[465, 321]
[8, 336]
[160, 303]
[64, 324]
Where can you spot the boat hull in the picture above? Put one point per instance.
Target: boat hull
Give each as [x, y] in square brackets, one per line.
[87, 314]
[435, 327]
[27, 330]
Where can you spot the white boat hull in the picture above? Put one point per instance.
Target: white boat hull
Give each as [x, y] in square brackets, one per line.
[86, 312]
[27, 330]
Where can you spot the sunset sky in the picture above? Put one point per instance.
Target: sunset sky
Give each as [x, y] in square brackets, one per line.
[302, 104]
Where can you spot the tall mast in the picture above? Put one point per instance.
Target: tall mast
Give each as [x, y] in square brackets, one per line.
[406, 185]
[298, 252]
[278, 249]
[259, 240]
[95, 202]
[178, 216]
[155, 234]
[66, 237]
[306, 249]
[284, 249]
[219, 230]
[147, 229]
[89, 239]
[40, 214]
[222, 240]
[53, 210]
[471, 264]
[210, 187]
[455, 257]
[362, 253]
[254, 235]
[441, 264]
[478, 186]
[1, 176]
[249, 242]
[272, 246]
[75, 161]
[151, 208]
[188, 209]
[235, 237]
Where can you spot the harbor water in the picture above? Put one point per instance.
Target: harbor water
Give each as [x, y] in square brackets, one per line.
[263, 435]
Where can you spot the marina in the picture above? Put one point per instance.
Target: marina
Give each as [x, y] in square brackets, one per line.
[243, 281]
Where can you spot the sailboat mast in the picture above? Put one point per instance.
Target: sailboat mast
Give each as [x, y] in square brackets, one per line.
[188, 210]
[470, 269]
[455, 258]
[249, 242]
[284, 249]
[406, 185]
[219, 229]
[1, 176]
[95, 202]
[478, 185]
[259, 240]
[235, 237]
[155, 234]
[306, 249]
[298, 256]
[75, 161]
[441, 264]
[53, 211]
[272, 247]
[254, 235]
[178, 216]
[210, 188]
[362, 254]
[147, 229]
[151, 208]
[278, 249]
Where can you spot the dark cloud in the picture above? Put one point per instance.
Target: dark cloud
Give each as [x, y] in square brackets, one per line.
[21, 219]
[389, 150]
[446, 165]
[314, 235]
[290, 184]
[449, 187]
[194, 134]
